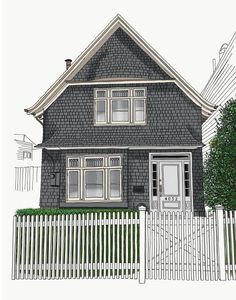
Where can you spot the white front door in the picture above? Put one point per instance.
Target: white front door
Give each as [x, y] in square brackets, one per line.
[169, 186]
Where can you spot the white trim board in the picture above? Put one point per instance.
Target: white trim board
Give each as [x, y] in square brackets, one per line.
[125, 147]
[118, 22]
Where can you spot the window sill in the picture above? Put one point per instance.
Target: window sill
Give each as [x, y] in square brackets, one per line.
[121, 124]
[92, 201]
[108, 204]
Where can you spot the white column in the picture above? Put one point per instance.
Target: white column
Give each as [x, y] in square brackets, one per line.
[142, 243]
[221, 245]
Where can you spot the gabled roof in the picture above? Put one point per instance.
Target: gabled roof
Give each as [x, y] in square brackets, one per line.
[118, 22]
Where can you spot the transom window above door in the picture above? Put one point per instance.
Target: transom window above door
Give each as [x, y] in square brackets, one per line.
[120, 106]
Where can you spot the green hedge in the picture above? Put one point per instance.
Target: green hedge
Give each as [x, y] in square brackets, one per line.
[67, 211]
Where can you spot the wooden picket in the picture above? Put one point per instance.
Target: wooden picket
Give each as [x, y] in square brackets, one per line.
[230, 244]
[91, 245]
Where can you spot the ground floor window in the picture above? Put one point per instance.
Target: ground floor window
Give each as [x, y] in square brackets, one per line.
[94, 178]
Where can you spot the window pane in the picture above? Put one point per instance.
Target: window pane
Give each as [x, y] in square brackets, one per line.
[120, 110]
[139, 110]
[139, 105]
[73, 184]
[115, 183]
[94, 162]
[114, 161]
[120, 93]
[139, 116]
[74, 162]
[139, 93]
[101, 111]
[101, 94]
[94, 184]
[170, 177]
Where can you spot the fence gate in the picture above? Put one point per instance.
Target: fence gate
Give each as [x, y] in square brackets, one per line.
[181, 246]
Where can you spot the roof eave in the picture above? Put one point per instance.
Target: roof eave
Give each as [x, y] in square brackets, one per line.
[60, 85]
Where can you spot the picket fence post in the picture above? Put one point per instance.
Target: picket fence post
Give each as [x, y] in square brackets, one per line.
[13, 273]
[221, 243]
[142, 244]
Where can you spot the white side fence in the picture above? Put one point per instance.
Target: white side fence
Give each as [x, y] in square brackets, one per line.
[138, 245]
[26, 178]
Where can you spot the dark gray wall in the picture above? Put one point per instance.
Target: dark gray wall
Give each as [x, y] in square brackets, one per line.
[120, 57]
[135, 172]
[172, 119]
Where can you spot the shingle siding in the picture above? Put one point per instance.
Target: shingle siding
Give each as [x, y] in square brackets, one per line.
[135, 172]
[172, 119]
[120, 57]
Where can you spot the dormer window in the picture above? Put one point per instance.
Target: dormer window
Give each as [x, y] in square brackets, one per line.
[120, 106]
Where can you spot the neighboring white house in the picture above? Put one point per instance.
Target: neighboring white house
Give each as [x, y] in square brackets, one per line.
[220, 88]
[27, 163]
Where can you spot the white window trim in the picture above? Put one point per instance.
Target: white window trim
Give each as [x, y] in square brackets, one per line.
[108, 106]
[106, 181]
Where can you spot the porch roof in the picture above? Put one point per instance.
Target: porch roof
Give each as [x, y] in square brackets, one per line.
[167, 137]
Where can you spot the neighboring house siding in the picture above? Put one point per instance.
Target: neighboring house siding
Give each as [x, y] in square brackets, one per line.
[135, 170]
[22, 147]
[120, 57]
[172, 119]
[220, 88]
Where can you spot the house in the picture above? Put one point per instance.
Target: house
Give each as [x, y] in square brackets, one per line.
[26, 163]
[121, 128]
[25, 147]
[220, 88]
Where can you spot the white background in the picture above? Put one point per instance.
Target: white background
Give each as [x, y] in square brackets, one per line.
[37, 36]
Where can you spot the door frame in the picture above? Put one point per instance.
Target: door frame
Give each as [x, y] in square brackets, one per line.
[189, 154]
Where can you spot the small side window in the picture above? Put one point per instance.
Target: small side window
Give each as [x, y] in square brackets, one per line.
[139, 110]
[27, 154]
[100, 111]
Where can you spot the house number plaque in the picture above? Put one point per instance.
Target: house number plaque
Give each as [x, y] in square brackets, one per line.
[171, 198]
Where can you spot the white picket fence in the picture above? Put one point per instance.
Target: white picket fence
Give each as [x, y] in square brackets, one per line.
[91, 245]
[138, 245]
[230, 244]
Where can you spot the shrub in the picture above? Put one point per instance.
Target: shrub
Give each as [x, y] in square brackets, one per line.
[220, 163]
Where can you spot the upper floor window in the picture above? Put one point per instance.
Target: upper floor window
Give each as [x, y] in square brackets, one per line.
[120, 106]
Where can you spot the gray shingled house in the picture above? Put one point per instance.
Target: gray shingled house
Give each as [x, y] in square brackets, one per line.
[121, 128]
